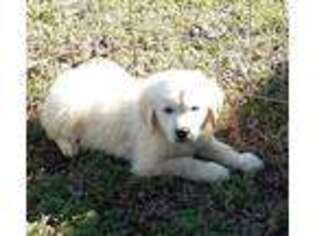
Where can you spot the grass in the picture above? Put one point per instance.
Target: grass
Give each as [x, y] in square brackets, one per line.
[94, 194]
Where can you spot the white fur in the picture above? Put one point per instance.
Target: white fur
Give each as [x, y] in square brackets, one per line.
[100, 106]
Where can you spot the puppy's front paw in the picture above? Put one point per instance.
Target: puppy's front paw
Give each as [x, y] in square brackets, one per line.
[249, 162]
[215, 172]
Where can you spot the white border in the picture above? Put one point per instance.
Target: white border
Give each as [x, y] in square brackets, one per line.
[12, 118]
[302, 118]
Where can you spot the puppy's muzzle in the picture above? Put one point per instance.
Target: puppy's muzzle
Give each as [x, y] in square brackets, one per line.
[182, 134]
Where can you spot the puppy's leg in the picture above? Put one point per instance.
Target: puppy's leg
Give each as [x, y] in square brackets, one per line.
[226, 155]
[185, 167]
[68, 140]
[67, 147]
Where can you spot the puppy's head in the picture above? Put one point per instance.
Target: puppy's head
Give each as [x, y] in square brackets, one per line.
[182, 105]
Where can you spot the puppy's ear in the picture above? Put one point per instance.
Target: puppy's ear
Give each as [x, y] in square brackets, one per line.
[208, 126]
[148, 113]
[215, 98]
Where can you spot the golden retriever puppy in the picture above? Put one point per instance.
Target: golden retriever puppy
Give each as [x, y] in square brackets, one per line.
[158, 124]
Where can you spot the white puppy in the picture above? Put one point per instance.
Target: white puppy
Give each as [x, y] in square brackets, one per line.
[158, 124]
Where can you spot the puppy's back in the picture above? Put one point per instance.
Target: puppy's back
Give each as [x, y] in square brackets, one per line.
[79, 89]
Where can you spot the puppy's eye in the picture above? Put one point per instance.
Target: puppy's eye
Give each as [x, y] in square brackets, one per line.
[194, 108]
[168, 110]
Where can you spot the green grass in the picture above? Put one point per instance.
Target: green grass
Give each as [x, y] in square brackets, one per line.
[94, 194]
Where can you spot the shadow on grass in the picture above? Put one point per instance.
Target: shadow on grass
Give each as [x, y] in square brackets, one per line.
[94, 194]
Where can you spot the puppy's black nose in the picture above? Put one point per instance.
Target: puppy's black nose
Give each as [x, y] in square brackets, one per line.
[182, 133]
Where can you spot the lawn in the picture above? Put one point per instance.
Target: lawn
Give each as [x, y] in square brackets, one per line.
[244, 45]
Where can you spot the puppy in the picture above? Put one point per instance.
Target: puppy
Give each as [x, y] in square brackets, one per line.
[157, 123]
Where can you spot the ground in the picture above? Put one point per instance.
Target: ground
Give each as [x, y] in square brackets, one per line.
[243, 44]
